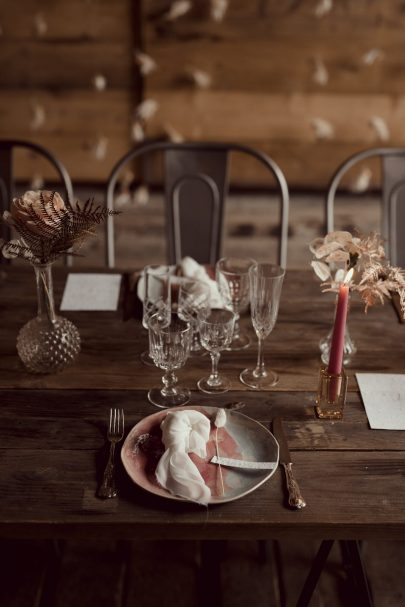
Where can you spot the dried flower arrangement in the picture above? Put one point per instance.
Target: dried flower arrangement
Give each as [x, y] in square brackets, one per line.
[50, 227]
[374, 278]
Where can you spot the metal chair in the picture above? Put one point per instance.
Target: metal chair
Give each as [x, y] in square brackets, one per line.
[393, 197]
[7, 181]
[196, 185]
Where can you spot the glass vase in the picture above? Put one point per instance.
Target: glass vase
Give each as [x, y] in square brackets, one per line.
[48, 342]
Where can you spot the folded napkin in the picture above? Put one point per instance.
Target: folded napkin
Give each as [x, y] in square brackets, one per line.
[184, 432]
[191, 269]
[383, 397]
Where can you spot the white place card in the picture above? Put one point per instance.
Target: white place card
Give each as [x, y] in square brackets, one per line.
[99, 292]
[384, 399]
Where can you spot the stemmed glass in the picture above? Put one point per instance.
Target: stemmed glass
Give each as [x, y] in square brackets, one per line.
[266, 281]
[232, 275]
[193, 305]
[216, 334]
[169, 347]
[155, 293]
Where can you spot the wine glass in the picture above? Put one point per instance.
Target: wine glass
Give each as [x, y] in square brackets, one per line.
[169, 346]
[216, 334]
[155, 293]
[193, 305]
[232, 275]
[266, 281]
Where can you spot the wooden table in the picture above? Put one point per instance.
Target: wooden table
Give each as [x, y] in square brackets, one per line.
[52, 429]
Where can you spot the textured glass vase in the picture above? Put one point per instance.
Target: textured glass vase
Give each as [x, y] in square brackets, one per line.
[48, 342]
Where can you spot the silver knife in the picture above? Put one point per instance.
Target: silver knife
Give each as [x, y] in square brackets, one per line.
[295, 499]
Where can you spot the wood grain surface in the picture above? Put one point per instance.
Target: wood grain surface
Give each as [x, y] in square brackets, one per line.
[53, 429]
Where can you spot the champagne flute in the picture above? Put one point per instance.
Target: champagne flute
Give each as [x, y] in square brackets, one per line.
[216, 334]
[232, 275]
[266, 281]
[169, 346]
[193, 305]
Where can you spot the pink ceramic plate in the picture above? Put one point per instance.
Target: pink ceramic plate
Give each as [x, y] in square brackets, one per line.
[241, 438]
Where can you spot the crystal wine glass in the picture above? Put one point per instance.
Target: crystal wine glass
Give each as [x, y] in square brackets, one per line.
[216, 334]
[232, 275]
[155, 293]
[194, 305]
[266, 281]
[169, 346]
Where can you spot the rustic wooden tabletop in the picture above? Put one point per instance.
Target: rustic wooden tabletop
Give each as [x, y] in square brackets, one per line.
[52, 427]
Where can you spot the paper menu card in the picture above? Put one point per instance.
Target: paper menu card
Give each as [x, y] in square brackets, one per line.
[384, 399]
[98, 292]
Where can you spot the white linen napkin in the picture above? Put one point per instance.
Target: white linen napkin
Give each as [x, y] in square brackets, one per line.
[191, 269]
[384, 399]
[184, 432]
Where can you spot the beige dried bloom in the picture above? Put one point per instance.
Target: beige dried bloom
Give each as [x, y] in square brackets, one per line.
[374, 278]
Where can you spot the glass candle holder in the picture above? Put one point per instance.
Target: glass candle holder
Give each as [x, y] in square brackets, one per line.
[331, 397]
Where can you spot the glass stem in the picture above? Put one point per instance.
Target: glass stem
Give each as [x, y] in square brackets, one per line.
[236, 330]
[46, 306]
[195, 346]
[169, 381]
[213, 379]
[260, 370]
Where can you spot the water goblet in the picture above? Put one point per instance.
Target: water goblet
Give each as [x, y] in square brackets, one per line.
[216, 334]
[232, 275]
[155, 292]
[266, 281]
[169, 346]
[193, 306]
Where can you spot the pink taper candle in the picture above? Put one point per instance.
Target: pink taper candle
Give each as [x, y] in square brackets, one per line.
[338, 336]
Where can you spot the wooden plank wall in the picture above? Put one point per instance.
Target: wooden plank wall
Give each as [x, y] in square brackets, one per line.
[50, 53]
[276, 66]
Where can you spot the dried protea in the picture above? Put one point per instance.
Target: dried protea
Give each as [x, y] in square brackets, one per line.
[49, 227]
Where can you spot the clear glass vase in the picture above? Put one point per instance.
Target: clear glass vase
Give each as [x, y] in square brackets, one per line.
[349, 349]
[47, 343]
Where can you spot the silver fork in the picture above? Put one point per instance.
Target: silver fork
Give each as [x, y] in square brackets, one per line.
[114, 435]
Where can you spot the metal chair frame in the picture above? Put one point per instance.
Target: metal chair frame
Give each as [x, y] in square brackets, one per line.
[177, 176]
[393, 186]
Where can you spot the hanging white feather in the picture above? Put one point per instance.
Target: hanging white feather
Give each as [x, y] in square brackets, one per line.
[320, 75]
[380, 127]
[38, 116]
[199, 78]
[371, 56]
[218, 9]
[37, 182]
[323, 128]
[100, 148]
[145, 63]
[141, 196]
[362, 180]
[220, 418]
[99, 82]
[146, 109]
[40, 25]
[138, 133]
[123, 199]
[323, 8]
[173, 135]
[178, 9]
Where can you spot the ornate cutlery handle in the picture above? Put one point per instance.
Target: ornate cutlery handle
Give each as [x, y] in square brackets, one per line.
[107, 488]
[295, 498]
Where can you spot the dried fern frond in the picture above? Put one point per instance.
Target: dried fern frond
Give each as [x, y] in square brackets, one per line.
[49, 227]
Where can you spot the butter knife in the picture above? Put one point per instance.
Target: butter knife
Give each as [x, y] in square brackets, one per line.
[295, 499]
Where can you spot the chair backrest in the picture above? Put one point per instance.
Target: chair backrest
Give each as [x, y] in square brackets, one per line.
[196, 186]
[7, 181]
[392, 198]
